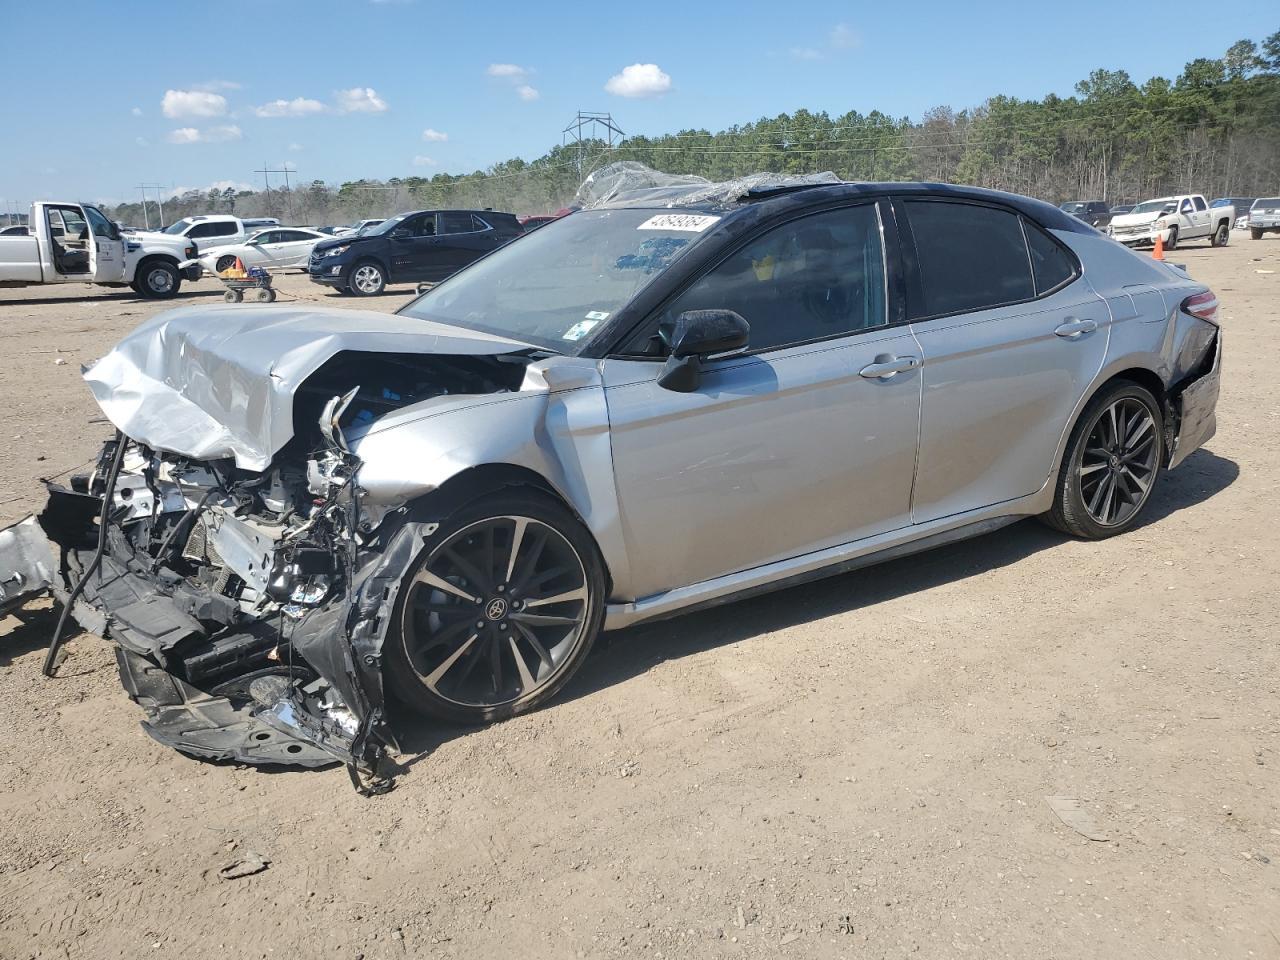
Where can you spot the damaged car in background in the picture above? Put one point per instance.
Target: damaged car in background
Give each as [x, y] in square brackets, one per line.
[683, 393]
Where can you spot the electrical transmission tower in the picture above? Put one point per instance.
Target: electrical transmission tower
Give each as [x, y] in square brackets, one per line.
[593, 124]
[266, 171]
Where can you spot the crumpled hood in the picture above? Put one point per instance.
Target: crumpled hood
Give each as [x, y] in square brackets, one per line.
[1134, 219]
[218, 381]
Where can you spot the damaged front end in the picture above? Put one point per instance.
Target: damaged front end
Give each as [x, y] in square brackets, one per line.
[223, 541]
[235, 600]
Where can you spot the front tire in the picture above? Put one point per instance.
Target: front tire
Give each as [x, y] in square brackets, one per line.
[1221, 236]
[224, 263]
[368, 279]
[1255, 234]
[158, 280]
[497, 612]
[1172, 242]
[1111, 465]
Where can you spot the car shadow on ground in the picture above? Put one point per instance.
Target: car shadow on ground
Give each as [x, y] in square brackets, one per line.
[122, 296]
[624, 654]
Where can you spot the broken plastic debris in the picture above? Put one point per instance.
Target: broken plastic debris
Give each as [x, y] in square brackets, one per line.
[1071, 811]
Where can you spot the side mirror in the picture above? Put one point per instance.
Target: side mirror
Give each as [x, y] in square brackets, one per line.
[399, 233]
[696, 334]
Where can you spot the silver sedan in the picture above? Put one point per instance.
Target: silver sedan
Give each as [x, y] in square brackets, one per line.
[653, 404]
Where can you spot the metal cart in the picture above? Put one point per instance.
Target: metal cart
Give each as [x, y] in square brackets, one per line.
[258, 280]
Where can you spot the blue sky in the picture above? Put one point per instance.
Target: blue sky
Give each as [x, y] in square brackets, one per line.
[186, 95]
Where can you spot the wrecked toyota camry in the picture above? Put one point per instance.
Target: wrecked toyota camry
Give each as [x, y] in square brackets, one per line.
[681, 394]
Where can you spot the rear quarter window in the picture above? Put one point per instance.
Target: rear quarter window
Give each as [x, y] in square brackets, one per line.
[969, 257]
[1051, 264]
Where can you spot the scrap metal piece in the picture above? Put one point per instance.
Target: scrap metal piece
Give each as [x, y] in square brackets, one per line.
[26, 564]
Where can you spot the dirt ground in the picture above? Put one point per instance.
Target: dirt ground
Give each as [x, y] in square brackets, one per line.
[854, 768]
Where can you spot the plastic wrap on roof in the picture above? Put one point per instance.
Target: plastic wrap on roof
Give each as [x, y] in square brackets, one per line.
[631, 184]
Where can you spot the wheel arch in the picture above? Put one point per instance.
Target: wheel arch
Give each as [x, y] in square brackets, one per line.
[486, 479]
[1131, 372]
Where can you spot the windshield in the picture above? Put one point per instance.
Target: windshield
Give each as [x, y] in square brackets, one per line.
[381, 227]
[1265, 202]
[554, 286]
[177, 227]
[1154, 206]
[1076, 207]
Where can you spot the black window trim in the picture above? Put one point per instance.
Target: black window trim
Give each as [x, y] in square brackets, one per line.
[911, 264]
[617, 352]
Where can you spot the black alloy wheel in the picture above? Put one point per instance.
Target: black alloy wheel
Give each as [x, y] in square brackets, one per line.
[1112, 464]
[497, 612]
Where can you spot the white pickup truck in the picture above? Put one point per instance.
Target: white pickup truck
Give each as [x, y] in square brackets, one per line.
[1185, 217]
[76, 243]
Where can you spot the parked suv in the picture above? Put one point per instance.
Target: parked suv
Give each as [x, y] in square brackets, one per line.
[423, 246]
[1093, 212]
[1264, 217]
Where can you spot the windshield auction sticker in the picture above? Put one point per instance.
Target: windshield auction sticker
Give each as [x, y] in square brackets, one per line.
[686, 222]
[579, 329]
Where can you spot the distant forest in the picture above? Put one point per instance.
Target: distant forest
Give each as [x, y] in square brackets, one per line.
[1215, 129]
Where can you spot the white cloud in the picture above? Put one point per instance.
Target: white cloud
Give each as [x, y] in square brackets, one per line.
[295, 147]
[844, 37]
[297, 107]
[211, 135]
[192, 103]
[212, 85]
[639, 80]
[136, 111]
[434, 136]
[511, 70]
[359, 100]
[526, 92]
[805, 53]
[421, 161]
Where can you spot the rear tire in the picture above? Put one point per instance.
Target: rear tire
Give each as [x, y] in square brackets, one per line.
[1112, 464]
[506, 633]
[1221, 236]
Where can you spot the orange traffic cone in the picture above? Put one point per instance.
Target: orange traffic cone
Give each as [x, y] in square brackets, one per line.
[240, 264]
[1156, 254]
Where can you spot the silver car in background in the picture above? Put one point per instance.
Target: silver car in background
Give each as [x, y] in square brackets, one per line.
[672, 398]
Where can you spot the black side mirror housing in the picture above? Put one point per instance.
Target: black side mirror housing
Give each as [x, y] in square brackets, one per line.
[696, 334]
[400, 233]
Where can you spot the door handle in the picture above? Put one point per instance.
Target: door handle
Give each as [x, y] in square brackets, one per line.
[886, 366]
[1075, 329]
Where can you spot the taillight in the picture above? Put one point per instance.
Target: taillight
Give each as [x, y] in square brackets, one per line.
[1202, 305]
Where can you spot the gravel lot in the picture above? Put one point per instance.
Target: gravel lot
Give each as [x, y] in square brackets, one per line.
[854, 768]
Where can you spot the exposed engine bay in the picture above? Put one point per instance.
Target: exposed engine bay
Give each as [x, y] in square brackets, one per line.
[249, 607]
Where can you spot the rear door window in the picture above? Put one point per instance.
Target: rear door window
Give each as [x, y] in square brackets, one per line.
[1199, 202]
[968, 257]
[456, 223]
